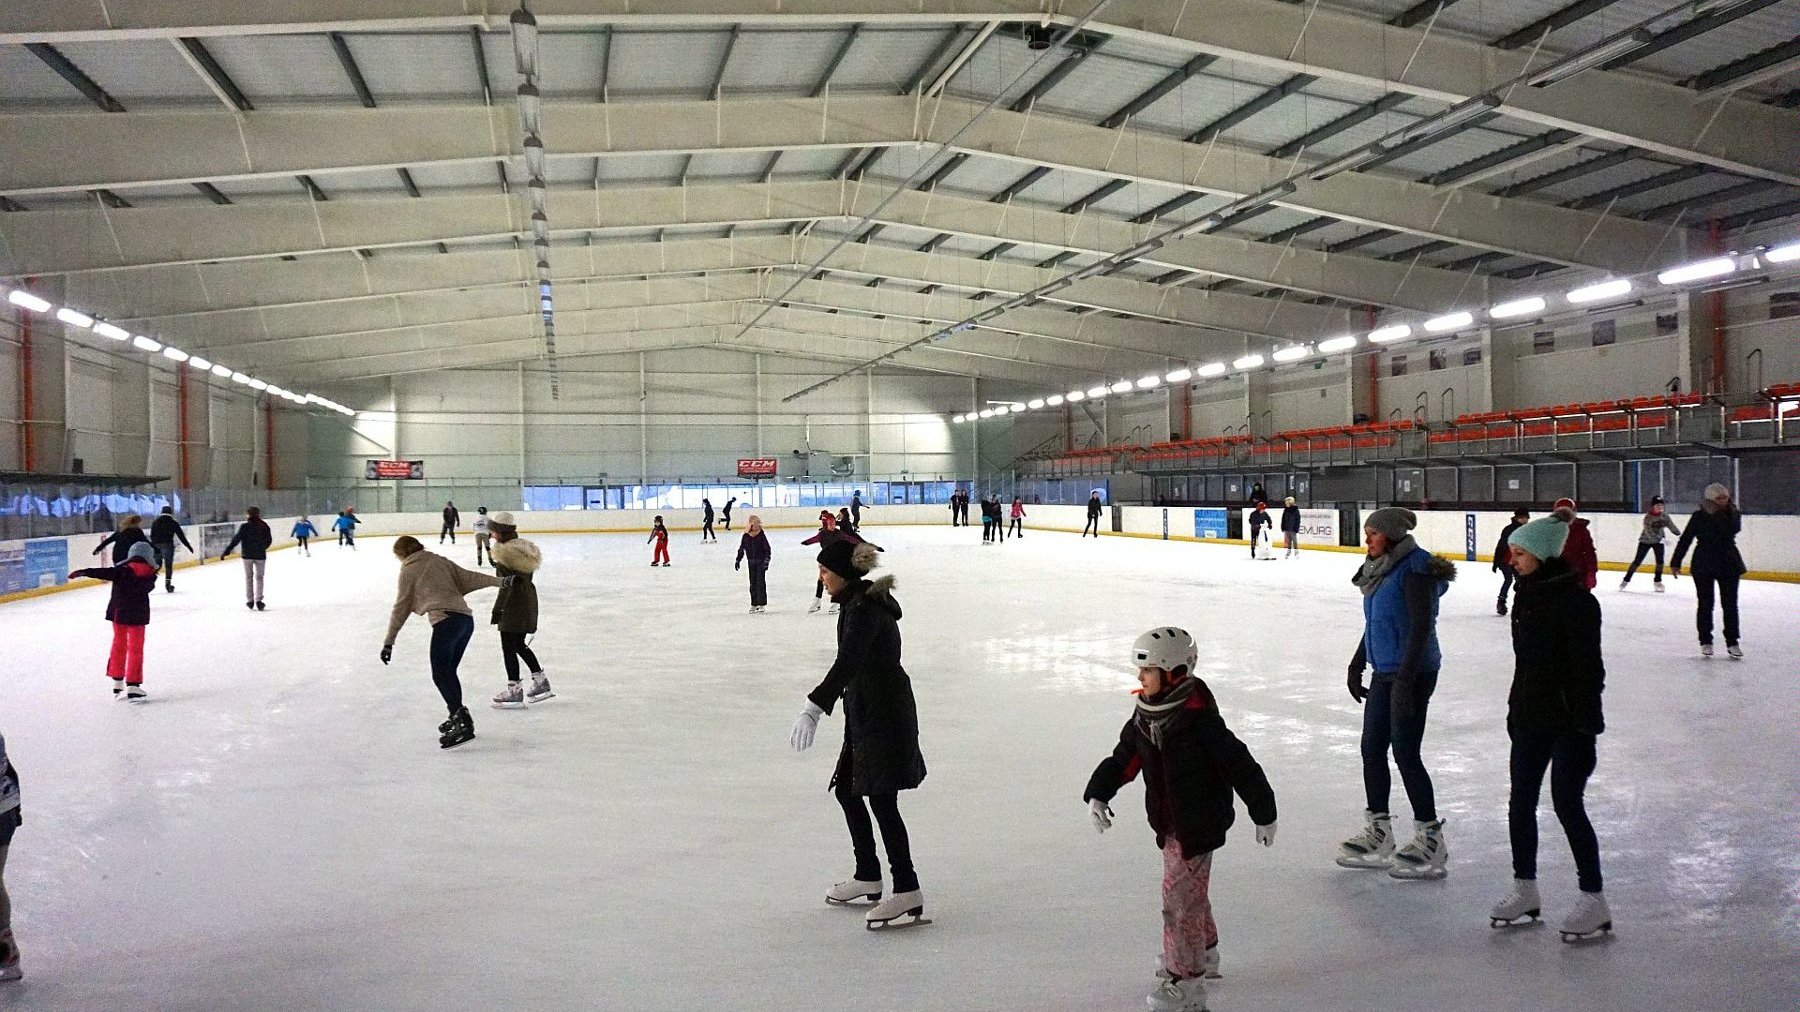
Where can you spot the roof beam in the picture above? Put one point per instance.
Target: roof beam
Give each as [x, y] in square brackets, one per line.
[1756, 68]
[67, 70]
[217, 81]
[354, 72]
[1554, 21]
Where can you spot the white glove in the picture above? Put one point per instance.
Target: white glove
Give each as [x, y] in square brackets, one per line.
[805, 727]
[1101, 815]
[1265, 835]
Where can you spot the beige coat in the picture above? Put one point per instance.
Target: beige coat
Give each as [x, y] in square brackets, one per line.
[433, 585]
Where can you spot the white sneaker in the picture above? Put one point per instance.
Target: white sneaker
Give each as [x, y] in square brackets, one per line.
[1590, 919]
[510, 698]
[540, 688]
[1522, 902]
[814, 608]
[1178, 996]
[851, 890]
[1425, 855]
[1371, 848]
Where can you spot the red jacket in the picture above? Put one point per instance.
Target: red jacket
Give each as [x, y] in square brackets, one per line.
[660, 535]
[1579, 553]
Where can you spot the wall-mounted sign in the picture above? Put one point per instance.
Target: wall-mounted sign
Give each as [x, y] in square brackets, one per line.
[381, 470]
[756, 467]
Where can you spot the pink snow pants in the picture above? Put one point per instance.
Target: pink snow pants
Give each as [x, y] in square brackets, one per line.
[1188, 928]
[127, 658]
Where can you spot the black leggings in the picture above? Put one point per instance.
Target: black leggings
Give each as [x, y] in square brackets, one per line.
[1018, 527]
[1093, 524]
[893, 835]
[512, 647]
[818, 590]
[450, 529]
[301, 541]
[1703, 590]
[759, 584]
[1383, 730]
[449, 638]
[706, 531]
[1637, 561]
[1570, 760]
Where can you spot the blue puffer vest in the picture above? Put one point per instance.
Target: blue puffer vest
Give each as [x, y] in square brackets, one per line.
[1385, 623]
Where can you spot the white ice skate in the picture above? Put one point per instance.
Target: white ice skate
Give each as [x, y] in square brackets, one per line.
[510, 698]
[1624, 583]
[1178, 996]
[833, 610]
[852, 890]
[540, 688]
[814, 608]
[1521, 907]
[1736, 652]
[901, 910]
[1210, 969]
[1425, 855]
[1371, 848]
[135, 694]
[1659, 587]
[1706, 649]
[1589, 919]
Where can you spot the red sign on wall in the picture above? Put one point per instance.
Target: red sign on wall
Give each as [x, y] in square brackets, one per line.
[756, 467]
[374, 470]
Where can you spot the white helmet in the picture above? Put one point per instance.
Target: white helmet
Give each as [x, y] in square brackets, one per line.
[1166, 647]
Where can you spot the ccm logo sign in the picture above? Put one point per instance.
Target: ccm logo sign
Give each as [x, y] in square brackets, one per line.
[756, 467]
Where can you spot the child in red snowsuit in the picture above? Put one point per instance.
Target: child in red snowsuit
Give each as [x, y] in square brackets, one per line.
[1579, 552]
[660, 535]
[129, 612]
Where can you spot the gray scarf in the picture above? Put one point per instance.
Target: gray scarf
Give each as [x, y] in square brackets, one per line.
[1375, 570]
[1153, 718]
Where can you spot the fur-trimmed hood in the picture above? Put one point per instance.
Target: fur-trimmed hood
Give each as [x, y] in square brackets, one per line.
[1441, 568]
[518, 555]
[881, 592]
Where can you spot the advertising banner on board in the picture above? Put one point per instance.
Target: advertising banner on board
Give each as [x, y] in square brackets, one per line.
[46, 562]
[402, 470]
[1209, 522]
[12, 567]
[1317, 527]
[756, 467]
[213, 539]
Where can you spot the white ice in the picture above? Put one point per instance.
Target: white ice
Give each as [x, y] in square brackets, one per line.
[278, 829]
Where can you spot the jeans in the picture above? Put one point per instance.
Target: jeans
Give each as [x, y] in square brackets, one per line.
[1703, 590]
[893, 835]
[449, 638]
[1569, 757]
[1506, 581]
[253, 579]
[759, 584]
[512, 647]
[165, 558]
[1383, 730]
[1638, 560]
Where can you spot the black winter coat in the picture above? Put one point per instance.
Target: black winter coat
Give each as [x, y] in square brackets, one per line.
[754, 547]
[121, 542]
[1093, 508]
[1188, 782]
[166, 530]
[254, 537]
[1260, 519]
[1717, 554]
[1503, 550]
[1558, 673]
[881, 721]
[132, 583]
[1290, 519]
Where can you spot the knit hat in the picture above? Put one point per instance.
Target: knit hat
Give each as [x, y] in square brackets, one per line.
[1716, 491]
[852, 561]
[1543, 537]
[501, 519]
[1565, 503]
[1394, 521]
[142, 550]
[1656, 500]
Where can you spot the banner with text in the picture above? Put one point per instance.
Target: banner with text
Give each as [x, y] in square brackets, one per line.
[1209, 522]
[1317, 527]
[756, 467]
[382, 470]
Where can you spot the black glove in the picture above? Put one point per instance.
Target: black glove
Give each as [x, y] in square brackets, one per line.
[1405, 699]
[1355, 682]
[387, 653]
[739, 564]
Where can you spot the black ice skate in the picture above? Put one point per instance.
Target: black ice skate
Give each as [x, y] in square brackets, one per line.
[462, 729]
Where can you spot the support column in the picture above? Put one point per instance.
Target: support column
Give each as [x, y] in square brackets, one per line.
[1256, 403]
[643, 423]
[1494, 383]
[520, 423]
[1692, 356]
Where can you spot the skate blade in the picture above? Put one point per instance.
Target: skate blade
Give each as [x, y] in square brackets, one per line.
[507, 706]
[453, 744]
[1365, 863]
[853, 901]
[896, 923]
[1577, 937]
[545, 698]
[1422, 875]
[1529, 919]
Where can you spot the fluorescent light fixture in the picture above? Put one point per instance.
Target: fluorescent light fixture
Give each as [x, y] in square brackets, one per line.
[117, 333]
[1783, 254]
[1256, 200]
[534, 156]
[531, 108]
[73, 318]
[1517, 307]
[1099, 267]
[145, 344]
[256, 384]
[1386, 334]
[1035, 403]
[1180, 376]
[1097, 392]
[1601, 292]
[277, 391]
[1565, 69]
[959, 419]
[1337, 344]
[987, 413]
[1247, 362]
[1212, 369]
[1054, 400]
[1346, 163]
[1293, 354]
[1198, 226]
[174, 354]
[525, 41]
[1454, 321]
[1713, 268]
[222, 371]
[1449, 119]
[1076, 397]
[1121, 387]
[25, 300]
[196, 362]
[1142, 249]
[238, 377]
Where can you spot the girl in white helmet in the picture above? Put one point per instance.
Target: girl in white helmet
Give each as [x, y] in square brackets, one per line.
[1192, 764]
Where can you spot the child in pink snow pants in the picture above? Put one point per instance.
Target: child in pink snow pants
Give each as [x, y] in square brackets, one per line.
[129, 612]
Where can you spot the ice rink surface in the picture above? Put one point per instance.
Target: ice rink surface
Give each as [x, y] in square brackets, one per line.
[277, 828]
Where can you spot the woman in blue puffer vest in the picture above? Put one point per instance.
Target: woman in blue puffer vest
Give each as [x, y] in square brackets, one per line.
[1400, 583]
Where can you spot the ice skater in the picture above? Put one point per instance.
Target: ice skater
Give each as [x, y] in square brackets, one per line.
[128, 609]
[1713, 529]
[660, 536]
[828, 532]
[753, 545]
[483, 531]
[303, 533]
[1583, 559]
[856, 508]
[706, 522]
[1093, 515]
[129, 534]
[725, 511]
[1018, 517]
[165, 530]
[345, 525]
[1503, 556]
[880, 757]
[255, 537]
[1656, 525]
[1290, 527]
[10, 821]
[1261, 523]
[433, 586]
[451, 519]
[516, 612]
[1553, 717]
[1192, 764]
[1400, 583]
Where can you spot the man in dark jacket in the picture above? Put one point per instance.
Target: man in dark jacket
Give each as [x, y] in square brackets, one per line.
[255, 537]
[1714, 526]
[1553, 716]
[881, 756]
[451, 519]
[163, 535]
[1502, 557]
[1093, 515]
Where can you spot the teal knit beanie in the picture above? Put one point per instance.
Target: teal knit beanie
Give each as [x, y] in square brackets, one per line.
[1543, 538]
